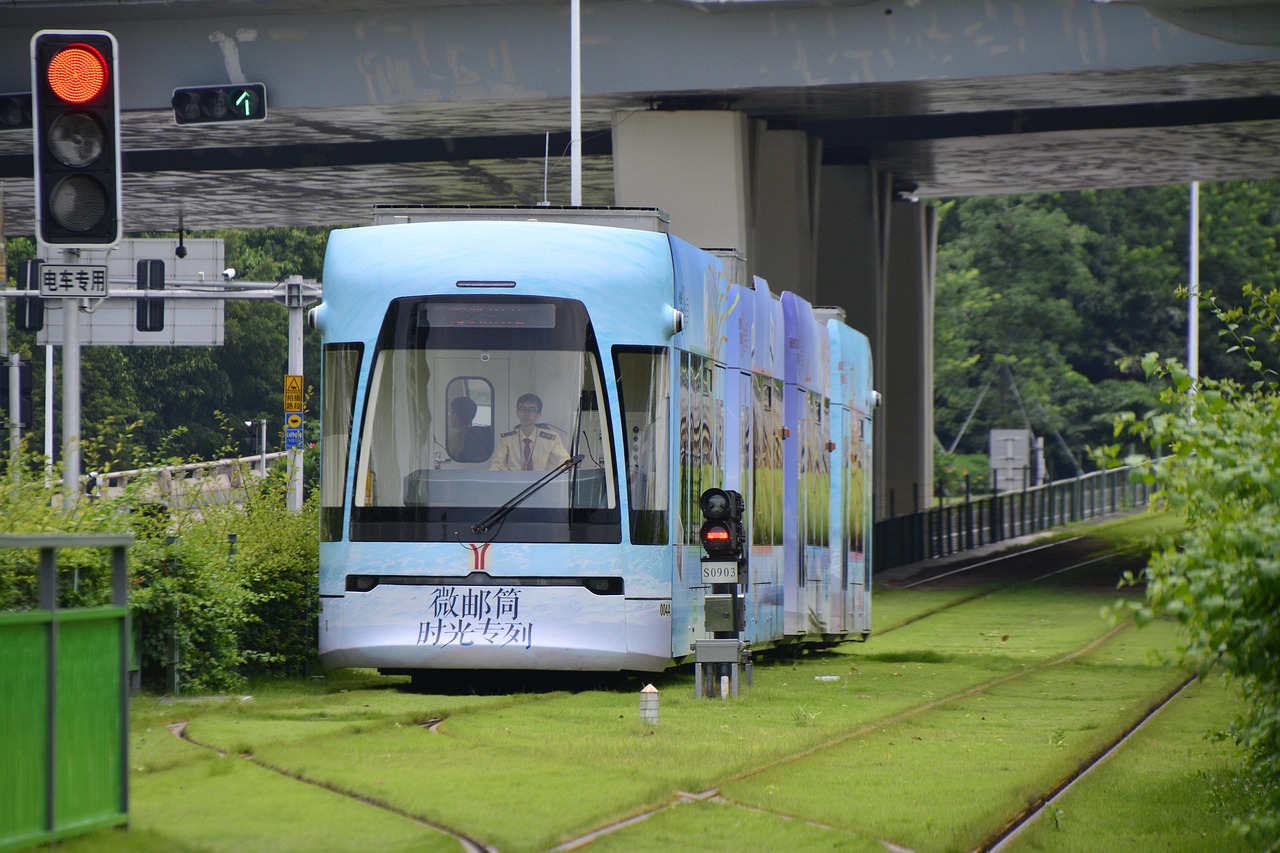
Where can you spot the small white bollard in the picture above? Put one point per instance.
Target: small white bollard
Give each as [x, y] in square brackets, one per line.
[649, 705]
[724, 687]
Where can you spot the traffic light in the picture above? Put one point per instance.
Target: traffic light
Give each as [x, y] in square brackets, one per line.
[205, 104]
[30, 309]
[722, 533]
[76, 115]
[150, 316]
[15, 111]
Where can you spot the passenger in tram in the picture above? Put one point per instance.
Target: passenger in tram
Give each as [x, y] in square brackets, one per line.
[467, 442]
[529, 447]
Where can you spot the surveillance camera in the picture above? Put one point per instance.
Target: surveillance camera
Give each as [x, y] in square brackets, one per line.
[229, 273]
[181, 251]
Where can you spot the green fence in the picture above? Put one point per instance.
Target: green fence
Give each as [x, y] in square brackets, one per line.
[64, 715]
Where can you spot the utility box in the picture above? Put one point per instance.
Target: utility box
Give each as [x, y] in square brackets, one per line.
[1017, 459]
[723, 612]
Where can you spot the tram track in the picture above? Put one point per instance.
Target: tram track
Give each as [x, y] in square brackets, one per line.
[1010, 831]
[468, 844]
[1124, 556]
[716, 792]
[1014, 826]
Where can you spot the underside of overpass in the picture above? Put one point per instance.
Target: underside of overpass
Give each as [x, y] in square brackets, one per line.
[803, 133]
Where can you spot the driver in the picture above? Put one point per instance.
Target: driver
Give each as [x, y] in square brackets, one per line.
[528, 448]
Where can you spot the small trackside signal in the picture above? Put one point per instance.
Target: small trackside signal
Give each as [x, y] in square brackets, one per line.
[722, 534]
[76, 121]
[223, 103]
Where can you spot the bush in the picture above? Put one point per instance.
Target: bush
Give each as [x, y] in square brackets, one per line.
[1220, 575]
[232, 588]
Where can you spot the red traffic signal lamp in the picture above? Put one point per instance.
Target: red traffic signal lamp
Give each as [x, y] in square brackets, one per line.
[231, 102]
[722, 534]
[76, 120]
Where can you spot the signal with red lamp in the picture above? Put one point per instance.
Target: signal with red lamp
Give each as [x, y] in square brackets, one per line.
[76, 121]
[722, 534]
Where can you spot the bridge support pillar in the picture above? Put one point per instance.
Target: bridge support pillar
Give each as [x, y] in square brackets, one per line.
[875, 259]
[836, 235]
[728, 183]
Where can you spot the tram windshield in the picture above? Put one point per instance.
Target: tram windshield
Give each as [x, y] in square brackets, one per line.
[473, 399]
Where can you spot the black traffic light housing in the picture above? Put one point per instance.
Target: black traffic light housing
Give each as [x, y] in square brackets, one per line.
[222, 103]
[722, 534]
[150, 316]
[29, 309]
[76, 115]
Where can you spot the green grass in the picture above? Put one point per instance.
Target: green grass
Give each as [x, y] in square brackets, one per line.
[1171, 788]
[932, 736]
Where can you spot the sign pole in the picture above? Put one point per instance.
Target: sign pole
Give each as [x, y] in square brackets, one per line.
[294, 446]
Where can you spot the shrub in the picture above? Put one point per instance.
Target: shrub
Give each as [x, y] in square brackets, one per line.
[1220, 575]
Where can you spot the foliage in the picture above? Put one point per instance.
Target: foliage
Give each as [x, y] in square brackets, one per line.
[1067, 291]
[957, 474]
[1220, 575]
[232, 588]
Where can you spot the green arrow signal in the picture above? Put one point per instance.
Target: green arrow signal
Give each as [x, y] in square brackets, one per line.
[245, 103]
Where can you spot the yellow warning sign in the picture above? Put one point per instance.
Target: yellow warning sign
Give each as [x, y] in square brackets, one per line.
[292, 393]
[293, 420]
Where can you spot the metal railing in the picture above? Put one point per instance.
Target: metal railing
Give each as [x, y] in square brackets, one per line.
[975, 522]
[64, 703]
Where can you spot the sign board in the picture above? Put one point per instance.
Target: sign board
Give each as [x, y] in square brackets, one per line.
[720, 571]
[187, 323]
[202, 258]
[292, 430]
[73, 280]
[292, 393]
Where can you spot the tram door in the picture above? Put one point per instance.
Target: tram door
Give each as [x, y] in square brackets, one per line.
[840, 515]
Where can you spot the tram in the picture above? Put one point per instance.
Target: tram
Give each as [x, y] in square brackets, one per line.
[520, 411]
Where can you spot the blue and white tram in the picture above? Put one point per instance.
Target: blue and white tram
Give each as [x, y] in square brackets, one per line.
[658, 376]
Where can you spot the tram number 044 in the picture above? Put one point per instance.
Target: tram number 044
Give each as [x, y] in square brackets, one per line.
[720, 571]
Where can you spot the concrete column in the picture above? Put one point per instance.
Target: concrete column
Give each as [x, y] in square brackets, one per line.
[853, 246]
[693, 165]
[876, 260]
[906, 427]
[786, 168]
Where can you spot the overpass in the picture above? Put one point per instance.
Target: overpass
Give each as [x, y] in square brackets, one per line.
[802, 133]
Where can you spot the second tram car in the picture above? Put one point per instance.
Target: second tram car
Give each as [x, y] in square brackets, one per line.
[519, 418]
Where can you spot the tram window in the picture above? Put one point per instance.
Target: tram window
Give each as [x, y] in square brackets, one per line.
[468, 435]
[341, 366]
[644, 392]
[438, 445]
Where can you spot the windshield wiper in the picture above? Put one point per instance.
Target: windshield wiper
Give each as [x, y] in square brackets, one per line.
[483, 525]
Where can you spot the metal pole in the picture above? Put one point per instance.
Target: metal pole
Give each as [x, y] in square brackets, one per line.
[294, 456]
[575, 102]
[262, 445]
[48, 413]
[1193, 299]
[71, 402]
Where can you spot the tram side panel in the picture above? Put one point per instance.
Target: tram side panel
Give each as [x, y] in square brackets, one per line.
[766, 487]
[850, 474]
